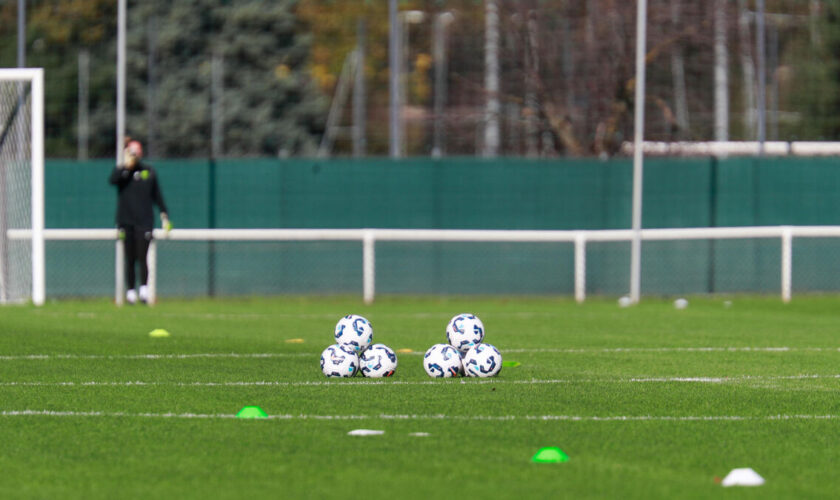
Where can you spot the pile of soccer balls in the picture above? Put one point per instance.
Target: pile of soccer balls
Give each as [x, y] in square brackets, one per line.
[353, 352]
[465, 354]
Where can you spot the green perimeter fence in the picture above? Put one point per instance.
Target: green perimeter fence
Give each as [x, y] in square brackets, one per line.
[455, 194]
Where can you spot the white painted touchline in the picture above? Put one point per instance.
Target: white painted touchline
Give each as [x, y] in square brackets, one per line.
[672, 349]
[565, 418]
[153, 356]
[46, 357]
[325, 316]
[380, 382]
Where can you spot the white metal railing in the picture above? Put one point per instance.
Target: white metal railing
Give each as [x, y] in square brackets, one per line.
[369, 237]
[734, 148]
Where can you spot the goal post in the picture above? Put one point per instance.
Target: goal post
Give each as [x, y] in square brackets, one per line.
[22, 273]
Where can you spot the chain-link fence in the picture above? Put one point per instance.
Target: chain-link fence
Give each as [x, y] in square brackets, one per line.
[535, 77]
[243, 268]
[458, 195]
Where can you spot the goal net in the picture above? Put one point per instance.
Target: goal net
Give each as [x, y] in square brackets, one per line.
[21, 186]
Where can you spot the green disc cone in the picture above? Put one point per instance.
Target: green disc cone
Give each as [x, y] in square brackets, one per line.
[511, 364]
[251, 412]
[550, 455]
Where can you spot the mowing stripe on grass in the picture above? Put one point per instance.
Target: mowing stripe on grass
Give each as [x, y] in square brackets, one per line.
[368, 382]
[565, 418]
[153, 356]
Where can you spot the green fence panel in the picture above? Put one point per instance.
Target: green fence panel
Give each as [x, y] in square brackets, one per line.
[77, 194]
[185, 188]
[803, 192]
[456, 193]
[677, 193]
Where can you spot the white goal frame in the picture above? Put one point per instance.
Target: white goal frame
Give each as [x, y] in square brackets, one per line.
[368, 238]
[35, 76]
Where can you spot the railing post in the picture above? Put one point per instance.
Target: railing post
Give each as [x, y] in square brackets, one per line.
[580, 267]
[151, 261]
[787, 262]
[119, 272]
[369, 265]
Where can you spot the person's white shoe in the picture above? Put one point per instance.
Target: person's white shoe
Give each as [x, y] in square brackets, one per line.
[131, 296]
[144, 293]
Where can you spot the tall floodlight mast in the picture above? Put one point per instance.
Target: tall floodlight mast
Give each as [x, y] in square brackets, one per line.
[492, 106]
[121, 20]
[639, 106]
[394, 72]
[761, 76]
[721, 74]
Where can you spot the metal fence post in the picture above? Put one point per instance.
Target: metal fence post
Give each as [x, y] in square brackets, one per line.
[151, 260]
[119, 272]
[787, 262]
[369, 265]
[580, 267]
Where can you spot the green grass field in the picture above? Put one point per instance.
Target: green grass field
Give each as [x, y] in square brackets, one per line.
[648, 402]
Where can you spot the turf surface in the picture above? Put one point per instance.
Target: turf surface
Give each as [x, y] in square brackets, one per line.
[648, 401]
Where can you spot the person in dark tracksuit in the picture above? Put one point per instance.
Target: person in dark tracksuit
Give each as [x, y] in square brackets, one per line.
[138, 190]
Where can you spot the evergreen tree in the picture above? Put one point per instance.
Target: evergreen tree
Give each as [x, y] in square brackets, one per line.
[269, 105]
[817, 70]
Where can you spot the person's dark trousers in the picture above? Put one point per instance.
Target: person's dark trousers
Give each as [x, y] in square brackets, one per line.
[136, 243]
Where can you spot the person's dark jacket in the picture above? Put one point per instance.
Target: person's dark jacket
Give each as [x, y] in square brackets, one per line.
[137, 191]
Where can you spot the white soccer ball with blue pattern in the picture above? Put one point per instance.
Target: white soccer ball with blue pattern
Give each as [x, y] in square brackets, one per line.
[443, 361]
[377, 361]
[339, 361]
[464, 331]
[482, 360]
[355, 331]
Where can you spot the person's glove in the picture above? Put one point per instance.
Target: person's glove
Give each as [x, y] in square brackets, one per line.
[164, 222]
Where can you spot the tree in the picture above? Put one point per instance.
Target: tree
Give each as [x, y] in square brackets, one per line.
[56, 31]
[817, 71]
[270, 105]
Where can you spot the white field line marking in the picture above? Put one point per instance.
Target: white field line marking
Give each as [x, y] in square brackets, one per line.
[325, 316]
[569, 418]
[363, 383]
[620, 350]
[46, 357]
[674, 349]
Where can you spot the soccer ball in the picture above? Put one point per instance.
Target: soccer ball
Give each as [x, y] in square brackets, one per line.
[483, 360]
[339, 361]
[355, 331]
[377, 361]
[443, 361]
[464, 331]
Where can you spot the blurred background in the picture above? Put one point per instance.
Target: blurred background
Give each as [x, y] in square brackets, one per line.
[259, 78]
[456, 114]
